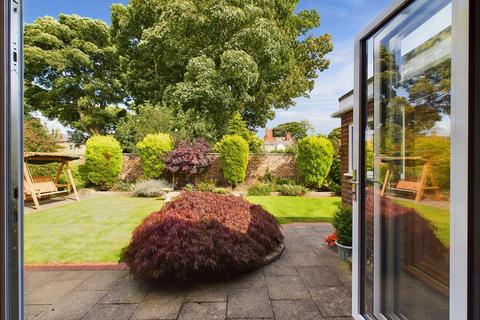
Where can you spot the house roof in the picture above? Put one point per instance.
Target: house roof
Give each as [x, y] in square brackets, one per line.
[345, 102]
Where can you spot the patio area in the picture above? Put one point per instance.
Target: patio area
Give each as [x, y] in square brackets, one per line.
[308, 282]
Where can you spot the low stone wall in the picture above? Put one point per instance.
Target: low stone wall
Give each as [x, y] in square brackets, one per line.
[278, 165]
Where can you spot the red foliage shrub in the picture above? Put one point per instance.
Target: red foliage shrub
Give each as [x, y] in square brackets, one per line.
[202, 235]
[187, 159]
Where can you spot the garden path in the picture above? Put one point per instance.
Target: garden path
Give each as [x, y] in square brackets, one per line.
[308, 282]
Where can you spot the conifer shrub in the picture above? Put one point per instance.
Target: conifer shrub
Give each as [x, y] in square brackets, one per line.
[103, 161]
[202, 235]
[234, 159]
[152, 151]
[314, 159]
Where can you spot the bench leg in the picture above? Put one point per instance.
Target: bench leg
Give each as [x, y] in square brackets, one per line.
[72, 181]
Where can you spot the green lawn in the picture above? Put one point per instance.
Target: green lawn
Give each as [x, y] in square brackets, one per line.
[298, 209]
[440, 218]
[93, 230]
[98, 229]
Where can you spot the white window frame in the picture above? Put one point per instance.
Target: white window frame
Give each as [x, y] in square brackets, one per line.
[350, 148]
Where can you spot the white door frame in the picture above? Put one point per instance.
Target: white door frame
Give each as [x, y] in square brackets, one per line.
[459, 156]
[11, 159]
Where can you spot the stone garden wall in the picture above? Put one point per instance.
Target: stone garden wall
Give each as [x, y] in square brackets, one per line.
[279, 165]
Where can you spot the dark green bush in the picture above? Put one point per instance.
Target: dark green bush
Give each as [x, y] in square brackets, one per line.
[152, 150]
[261, 189]
[291, 190]
[205, 186]
[103, 161]
[282, 181]
[342, 222]
[234, 159]
[314, 159]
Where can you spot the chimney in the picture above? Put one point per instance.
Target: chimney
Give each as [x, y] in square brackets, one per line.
[288, 137]
[268, 135]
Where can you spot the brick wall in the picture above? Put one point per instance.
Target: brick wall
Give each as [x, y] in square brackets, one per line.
[347, 119]
[279, 165]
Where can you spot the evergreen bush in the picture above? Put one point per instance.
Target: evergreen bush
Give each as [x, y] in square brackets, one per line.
[152, 150]
[314, 159]
[234, 158]
[103, 161]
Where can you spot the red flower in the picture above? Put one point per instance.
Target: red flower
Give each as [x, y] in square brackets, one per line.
[330, 240]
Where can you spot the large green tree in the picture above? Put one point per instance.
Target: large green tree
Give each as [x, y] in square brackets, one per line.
[219, 57]
[72, 73]
[298, 130]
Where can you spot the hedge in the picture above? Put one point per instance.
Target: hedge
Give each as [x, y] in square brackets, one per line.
[152, 150]
[314, 159]
[103, 161]
[234, 158]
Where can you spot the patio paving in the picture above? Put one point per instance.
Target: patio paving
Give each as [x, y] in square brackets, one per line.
[309, 282]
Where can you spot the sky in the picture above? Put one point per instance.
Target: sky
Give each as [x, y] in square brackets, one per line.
[343, 19]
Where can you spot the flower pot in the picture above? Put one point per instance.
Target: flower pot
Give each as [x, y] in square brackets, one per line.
[344, 252]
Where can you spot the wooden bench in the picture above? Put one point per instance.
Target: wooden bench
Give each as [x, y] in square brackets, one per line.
[416, 188]
[44, 187]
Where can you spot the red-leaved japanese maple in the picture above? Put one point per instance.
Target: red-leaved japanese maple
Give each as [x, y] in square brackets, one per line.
[187, 159]
[202, 235]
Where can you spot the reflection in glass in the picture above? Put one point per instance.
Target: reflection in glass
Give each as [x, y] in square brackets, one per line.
[407, 160]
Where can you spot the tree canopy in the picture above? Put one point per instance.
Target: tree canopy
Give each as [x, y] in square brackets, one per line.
[298, 130]
[217, 58]
[72, 73]
[37, 138]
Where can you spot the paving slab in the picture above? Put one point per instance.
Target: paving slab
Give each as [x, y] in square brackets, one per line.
[31, 311]
[128, 290]
[36, 279]
[334, 302]
[204, 311]
[281, 267]
[306, 259]
[50, 292]
[205, 292]
[74, 275]
[104, 280]
[296, 309]
[111, 312]
[318, 277]
[256, 279]
[73, 306]
[287, 288]
[159, 305]
[249, 303]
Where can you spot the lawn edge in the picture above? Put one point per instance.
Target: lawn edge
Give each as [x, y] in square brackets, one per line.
[76, 267]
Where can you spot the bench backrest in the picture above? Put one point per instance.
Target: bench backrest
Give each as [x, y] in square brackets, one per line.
[44, 184]
[408, 185]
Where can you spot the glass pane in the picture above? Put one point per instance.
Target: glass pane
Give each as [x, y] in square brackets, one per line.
[368, 218]
[410, 179]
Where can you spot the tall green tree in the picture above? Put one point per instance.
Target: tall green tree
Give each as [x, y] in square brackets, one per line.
[72, 73]
[237, 126]
[219, 57]
[298, 130]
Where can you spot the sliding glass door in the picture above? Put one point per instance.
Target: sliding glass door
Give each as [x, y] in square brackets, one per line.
[405, 128]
